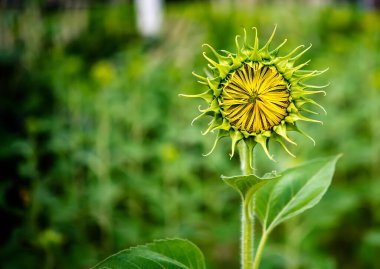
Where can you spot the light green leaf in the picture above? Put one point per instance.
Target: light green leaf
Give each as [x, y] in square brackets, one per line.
[248, 185]
[161, 254]
[295, 191]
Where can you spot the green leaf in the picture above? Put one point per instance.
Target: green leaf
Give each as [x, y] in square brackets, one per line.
[161, 254]
[248, 185]
[295, 191]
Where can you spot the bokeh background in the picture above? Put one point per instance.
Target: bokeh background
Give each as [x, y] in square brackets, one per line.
[96, 148]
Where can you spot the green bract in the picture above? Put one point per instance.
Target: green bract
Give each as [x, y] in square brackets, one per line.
[256, 95]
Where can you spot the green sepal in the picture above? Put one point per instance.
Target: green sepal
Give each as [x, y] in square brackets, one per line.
[292, 108]
[214, 86]
[225, 125]
[220, 135]
[248, 134]
[299, 91]
[223, 69]
[276, 50]
[264, 51]
[278, 139]
[213, 108]
[198, 117]
[288, 57]
[221, 59]
[237, 45]
[302, 109]
[212, 125]
[280, 65]
[294, 127]
[295, 58]
[292, 118]
[207, 96]
[236, 62]
[302, 101]
[255, 55]
[240, 56]
[236, 136]
[303, 75]
[290, 70]
[203, 80]
[281, 130]
[284, 65]
[305, 86]
[263, 141]
[218, 123]
[246, 47]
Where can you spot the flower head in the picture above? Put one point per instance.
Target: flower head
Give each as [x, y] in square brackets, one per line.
[255, 95]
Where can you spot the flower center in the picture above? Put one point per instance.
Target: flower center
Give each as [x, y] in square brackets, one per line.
[252, 99]
[255, 98]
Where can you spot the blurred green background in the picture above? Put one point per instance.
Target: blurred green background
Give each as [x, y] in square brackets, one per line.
[97, 152]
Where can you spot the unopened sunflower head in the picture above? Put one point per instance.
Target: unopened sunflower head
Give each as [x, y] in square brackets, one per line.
[256, 95]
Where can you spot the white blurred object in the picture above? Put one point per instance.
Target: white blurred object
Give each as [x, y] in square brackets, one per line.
[149, 17]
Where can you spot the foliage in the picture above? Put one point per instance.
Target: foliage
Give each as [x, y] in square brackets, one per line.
[277, 198]
[97, 153]
[296, 190]
[170, 253]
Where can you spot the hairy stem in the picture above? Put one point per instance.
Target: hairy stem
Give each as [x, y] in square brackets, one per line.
[247, 219]
[246, 158]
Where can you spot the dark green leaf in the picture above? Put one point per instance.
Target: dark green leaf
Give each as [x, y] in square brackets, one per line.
[161, 254]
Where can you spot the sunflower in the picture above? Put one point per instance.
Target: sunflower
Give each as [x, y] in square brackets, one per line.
[256, 95]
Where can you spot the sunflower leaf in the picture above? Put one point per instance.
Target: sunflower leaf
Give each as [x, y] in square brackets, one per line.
[295, 191]
[168, 254]
[248, 185]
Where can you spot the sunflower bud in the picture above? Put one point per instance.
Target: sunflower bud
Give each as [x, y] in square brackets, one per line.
[256, 95]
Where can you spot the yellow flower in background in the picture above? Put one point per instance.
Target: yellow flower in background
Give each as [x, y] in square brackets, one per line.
[255, 95]
[102, 72]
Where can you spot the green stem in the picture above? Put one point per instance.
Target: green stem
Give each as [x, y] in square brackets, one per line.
[247, 236]
[246, 158]
[260, 250]
[247, 219]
